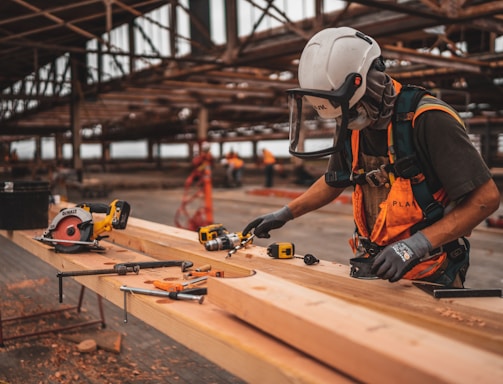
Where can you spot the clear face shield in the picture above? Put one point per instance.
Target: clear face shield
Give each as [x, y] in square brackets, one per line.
[314, 112]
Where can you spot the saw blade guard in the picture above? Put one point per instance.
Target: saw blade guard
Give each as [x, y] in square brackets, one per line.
[71, 225]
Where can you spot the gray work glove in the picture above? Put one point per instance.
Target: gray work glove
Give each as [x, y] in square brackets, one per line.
[398, 258]
[263, 224]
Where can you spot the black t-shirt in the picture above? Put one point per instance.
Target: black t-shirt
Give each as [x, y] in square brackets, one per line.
[444, 149]
[448, 156]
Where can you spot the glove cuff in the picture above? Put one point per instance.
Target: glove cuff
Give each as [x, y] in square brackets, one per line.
[284, 214]
[418, 242]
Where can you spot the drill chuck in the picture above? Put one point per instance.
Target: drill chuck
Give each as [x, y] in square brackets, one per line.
[227, 241]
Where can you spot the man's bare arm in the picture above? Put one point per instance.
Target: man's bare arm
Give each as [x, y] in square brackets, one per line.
[317, 196]
[476, 207]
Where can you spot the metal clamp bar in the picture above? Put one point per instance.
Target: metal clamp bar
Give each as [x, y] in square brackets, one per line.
[151, 292]
[123, 269]
[440, 292]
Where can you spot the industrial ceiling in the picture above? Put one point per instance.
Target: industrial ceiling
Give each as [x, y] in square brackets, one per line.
[237, 87]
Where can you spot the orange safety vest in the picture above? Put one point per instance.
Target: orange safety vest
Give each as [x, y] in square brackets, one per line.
[268, 157]
[400, 211]
[236, 162]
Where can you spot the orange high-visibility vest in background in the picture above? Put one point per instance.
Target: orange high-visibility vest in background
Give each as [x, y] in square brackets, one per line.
[268, 157]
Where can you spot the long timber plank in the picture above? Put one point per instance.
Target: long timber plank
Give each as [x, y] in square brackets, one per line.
[476, 321]
[348, 337]
[206, 329]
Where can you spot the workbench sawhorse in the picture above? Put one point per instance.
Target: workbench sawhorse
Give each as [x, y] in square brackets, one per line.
[77, 307]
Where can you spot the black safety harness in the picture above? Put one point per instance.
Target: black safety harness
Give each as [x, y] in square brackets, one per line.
[406, 165]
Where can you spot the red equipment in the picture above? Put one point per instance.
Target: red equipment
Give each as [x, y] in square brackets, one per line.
[196, 209]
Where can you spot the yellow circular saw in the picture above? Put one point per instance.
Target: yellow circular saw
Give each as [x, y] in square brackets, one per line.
[74, 229]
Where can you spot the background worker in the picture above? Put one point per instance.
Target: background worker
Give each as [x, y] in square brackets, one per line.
[204, 158]
[202, 164]
[269, 162]
[235, 169]
[342, 76]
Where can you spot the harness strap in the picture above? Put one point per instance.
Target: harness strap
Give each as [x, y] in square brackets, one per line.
[403, 144]
[404, 162]
[406, 168]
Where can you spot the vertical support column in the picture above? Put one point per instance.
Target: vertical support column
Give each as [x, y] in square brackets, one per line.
[318, 13]
[100, 65]
[202, 128]
[105, 155]
[58, 142]
[132, 48]
[158, 153]
[77, 80]
[36, 71]
[38, 150]
[37, 156]
[202, 134]
[231, 24]
[76, 139]
[190, 147]
[199, 26]
[150, 150]
[173, 25]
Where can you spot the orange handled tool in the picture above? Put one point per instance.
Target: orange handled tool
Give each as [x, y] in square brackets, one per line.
[203, 268]
[177, 287]
[193, 274]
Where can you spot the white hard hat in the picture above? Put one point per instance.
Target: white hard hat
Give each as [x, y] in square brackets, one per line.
[330, 57]
[333, 72]
[205, 146]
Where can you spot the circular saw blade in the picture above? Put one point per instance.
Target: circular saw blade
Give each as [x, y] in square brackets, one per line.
[71, 226]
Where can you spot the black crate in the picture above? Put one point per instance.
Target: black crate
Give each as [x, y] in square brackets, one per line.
[24, 204]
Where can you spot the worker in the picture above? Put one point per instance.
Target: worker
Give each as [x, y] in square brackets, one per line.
[204, 158]
[269, 162]
[342, 75]
[202, 164]
[235, 169]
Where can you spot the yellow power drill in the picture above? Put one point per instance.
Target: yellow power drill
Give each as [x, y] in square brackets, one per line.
[210, 232]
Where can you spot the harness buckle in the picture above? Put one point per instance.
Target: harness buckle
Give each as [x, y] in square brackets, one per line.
[407, 167]
[376, 178]
[359, 178]
[433, 211]
[364, 244]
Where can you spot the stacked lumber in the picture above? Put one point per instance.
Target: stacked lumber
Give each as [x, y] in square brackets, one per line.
[281, 321]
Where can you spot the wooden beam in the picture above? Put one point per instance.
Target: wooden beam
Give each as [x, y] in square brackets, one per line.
[473, 320]
[370, 346]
